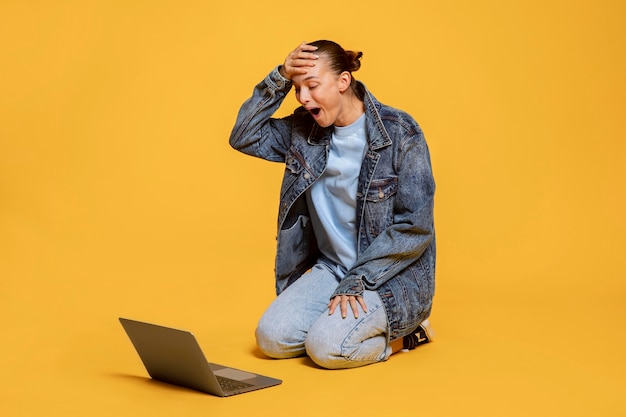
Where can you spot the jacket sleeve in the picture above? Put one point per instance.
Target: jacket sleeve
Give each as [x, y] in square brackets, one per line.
[412, 230]
[255, 132]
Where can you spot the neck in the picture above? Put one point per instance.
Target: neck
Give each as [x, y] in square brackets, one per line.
[353, 108]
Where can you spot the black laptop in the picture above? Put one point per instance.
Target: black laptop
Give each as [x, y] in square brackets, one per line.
[174, 356]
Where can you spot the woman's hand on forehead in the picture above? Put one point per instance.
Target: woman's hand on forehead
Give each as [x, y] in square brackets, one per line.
[299, 61]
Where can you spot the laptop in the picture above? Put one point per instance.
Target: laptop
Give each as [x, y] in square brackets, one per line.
[174, 356]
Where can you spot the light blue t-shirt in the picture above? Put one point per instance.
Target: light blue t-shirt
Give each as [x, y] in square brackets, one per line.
[332, 199]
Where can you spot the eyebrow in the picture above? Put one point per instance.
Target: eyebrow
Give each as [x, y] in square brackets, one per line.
[307, 79]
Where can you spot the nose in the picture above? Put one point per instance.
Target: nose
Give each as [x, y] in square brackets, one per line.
[304, 96]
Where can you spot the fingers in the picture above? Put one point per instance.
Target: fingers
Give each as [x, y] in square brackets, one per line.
[299, 60]
[353, 306]
[343, 301]
[362, 304]
[333, 305]
[304, 51]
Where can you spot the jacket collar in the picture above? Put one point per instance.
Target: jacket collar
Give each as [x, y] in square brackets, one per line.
[377, 134]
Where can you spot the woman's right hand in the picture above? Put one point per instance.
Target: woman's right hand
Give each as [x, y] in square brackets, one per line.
[299, 61]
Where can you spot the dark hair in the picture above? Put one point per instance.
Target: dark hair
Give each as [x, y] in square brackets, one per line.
[339, 60]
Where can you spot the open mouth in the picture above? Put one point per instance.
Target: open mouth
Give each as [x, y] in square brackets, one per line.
[315, 111]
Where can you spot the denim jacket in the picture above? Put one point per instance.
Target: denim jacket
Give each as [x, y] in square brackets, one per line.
[395, 235]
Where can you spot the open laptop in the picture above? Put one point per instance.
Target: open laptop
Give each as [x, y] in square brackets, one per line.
[174, 356]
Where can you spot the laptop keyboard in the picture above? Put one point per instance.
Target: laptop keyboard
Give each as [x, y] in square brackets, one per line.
[228, 384]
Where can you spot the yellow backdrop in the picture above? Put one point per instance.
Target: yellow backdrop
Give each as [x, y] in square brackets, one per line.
[119, 196]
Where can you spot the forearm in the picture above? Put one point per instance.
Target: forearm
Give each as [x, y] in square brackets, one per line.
[394, 250]
[256, 132]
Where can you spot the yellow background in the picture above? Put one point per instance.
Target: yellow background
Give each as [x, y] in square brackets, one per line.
[119, 196]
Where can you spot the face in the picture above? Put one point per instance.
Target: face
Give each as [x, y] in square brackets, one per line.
[320, 91]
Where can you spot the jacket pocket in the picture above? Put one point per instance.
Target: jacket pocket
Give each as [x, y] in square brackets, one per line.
[382, 189]
[379, 204]
[293, 246]
[294, 164]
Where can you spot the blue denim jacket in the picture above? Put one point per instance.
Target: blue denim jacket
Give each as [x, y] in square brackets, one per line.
[395, 236]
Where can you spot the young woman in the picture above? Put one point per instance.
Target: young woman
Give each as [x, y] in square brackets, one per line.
[355, 261]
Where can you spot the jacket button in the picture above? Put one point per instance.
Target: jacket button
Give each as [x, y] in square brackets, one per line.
[289, 161]
[381, 194]
[307, 175]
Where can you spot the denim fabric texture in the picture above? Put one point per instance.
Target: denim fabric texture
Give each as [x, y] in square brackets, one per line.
[395, 199]
[297, 323]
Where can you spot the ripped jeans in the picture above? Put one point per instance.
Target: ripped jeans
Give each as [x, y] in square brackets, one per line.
[297, 323]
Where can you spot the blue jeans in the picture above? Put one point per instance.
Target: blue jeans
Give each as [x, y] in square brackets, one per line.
[297, 323]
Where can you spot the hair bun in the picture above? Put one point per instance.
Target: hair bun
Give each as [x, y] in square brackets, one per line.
[354, 60]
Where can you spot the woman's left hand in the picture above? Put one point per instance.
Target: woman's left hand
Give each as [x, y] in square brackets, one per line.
[343, 301]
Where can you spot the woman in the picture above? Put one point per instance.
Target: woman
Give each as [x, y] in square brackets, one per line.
[355, 261]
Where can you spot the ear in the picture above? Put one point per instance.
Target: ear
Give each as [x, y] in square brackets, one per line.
[344, 81]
